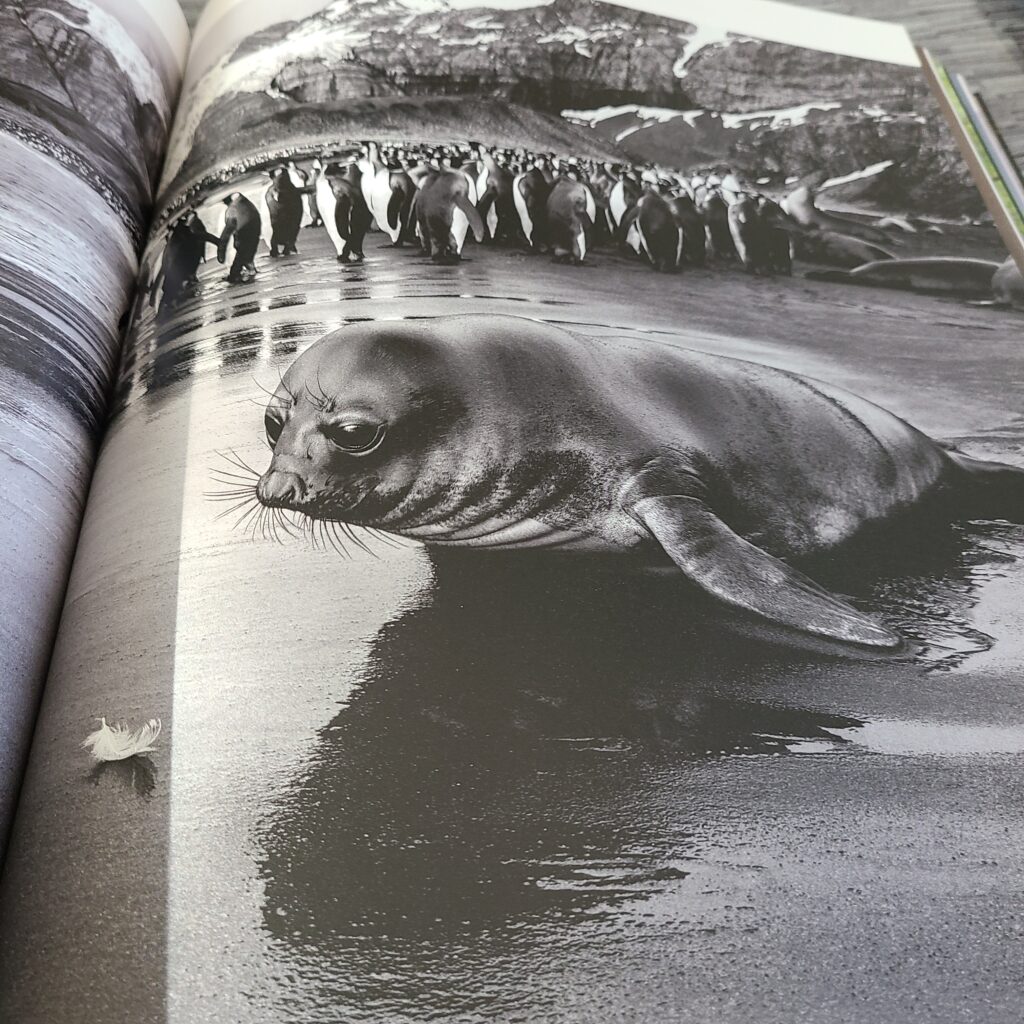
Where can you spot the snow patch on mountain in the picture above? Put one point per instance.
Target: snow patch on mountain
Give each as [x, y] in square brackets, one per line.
[649, 115]
[866, 172]
[703, 36]
[784, 117]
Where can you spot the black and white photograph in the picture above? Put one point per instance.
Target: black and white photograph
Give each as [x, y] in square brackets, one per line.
[86, 92]
[555, 554]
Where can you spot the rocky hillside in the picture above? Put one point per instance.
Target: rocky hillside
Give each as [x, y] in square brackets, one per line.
[652, 87]
[48, 46]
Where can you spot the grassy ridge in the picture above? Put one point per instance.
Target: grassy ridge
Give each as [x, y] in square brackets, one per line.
[429, 119]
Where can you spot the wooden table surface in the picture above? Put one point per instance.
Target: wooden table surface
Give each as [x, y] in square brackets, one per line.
[982, 39]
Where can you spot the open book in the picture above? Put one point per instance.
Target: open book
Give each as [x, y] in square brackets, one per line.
[508, 512]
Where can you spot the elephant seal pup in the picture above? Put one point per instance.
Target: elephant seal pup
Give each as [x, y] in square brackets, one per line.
[501, 433]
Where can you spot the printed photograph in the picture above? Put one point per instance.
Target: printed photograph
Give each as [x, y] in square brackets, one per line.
[576, 465]
[85, 100]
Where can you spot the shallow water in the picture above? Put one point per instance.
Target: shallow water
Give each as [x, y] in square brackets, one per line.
[396, 789]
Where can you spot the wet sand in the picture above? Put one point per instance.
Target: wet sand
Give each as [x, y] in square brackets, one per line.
[398, 790]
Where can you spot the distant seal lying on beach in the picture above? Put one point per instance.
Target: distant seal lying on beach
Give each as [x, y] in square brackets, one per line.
[501, 433]
[988, 283]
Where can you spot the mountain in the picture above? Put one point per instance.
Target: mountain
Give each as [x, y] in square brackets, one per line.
[53, 48]
[654, 88]
[924, 172]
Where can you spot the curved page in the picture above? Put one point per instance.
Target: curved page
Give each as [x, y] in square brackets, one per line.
[86, 93]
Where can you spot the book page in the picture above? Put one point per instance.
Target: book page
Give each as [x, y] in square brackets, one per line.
[86, 94]
[556, 555]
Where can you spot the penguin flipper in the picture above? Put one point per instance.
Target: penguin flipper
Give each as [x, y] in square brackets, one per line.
[736, 572]
[343, 217]
[628, 219]
[475, 221]
[222, 242]
[486, 201]
[394, 214]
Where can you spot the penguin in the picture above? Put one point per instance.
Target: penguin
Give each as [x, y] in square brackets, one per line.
[530, 191]
[661, 235]
[242, 228]
[715, 211]
[745, 227]
[602, 181]
[343, 209]
[684, 209]
[445, 210]
[300, 179]
[375, 182]
[623, 196]
[496, 203]
[569, 214]
[284, 208]
[775, 229]
[397, 210]
[184, 250]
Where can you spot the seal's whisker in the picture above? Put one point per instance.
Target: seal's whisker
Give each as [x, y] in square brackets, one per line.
[386, 538]
[253, 501]
[347, 530]
[247, 516]
[234, 457]
[230, 489]
[333, 539]
[235, 480]
[242, 492]
[284, 522]
[319, 403]
[266, 391]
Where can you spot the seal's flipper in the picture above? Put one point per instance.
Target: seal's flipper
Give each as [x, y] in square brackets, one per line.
[733, 570]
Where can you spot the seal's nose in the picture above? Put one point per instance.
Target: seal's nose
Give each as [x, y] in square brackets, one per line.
[280, 490]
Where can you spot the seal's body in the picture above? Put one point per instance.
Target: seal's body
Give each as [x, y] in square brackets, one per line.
[494, 433]
[1008, 285]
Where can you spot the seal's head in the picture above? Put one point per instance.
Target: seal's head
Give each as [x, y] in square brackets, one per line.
[401, 424]
[356, 421]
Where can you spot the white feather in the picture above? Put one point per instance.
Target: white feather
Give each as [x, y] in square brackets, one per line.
[117, 742]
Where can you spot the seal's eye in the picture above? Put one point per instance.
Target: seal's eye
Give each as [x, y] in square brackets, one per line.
[357, 437]
[274, 424]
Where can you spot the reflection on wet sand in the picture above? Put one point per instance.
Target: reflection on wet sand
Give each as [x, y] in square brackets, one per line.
[521, 774]
[529, 791]
[492, 767]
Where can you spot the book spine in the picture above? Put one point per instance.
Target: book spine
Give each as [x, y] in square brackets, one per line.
[996, 176]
